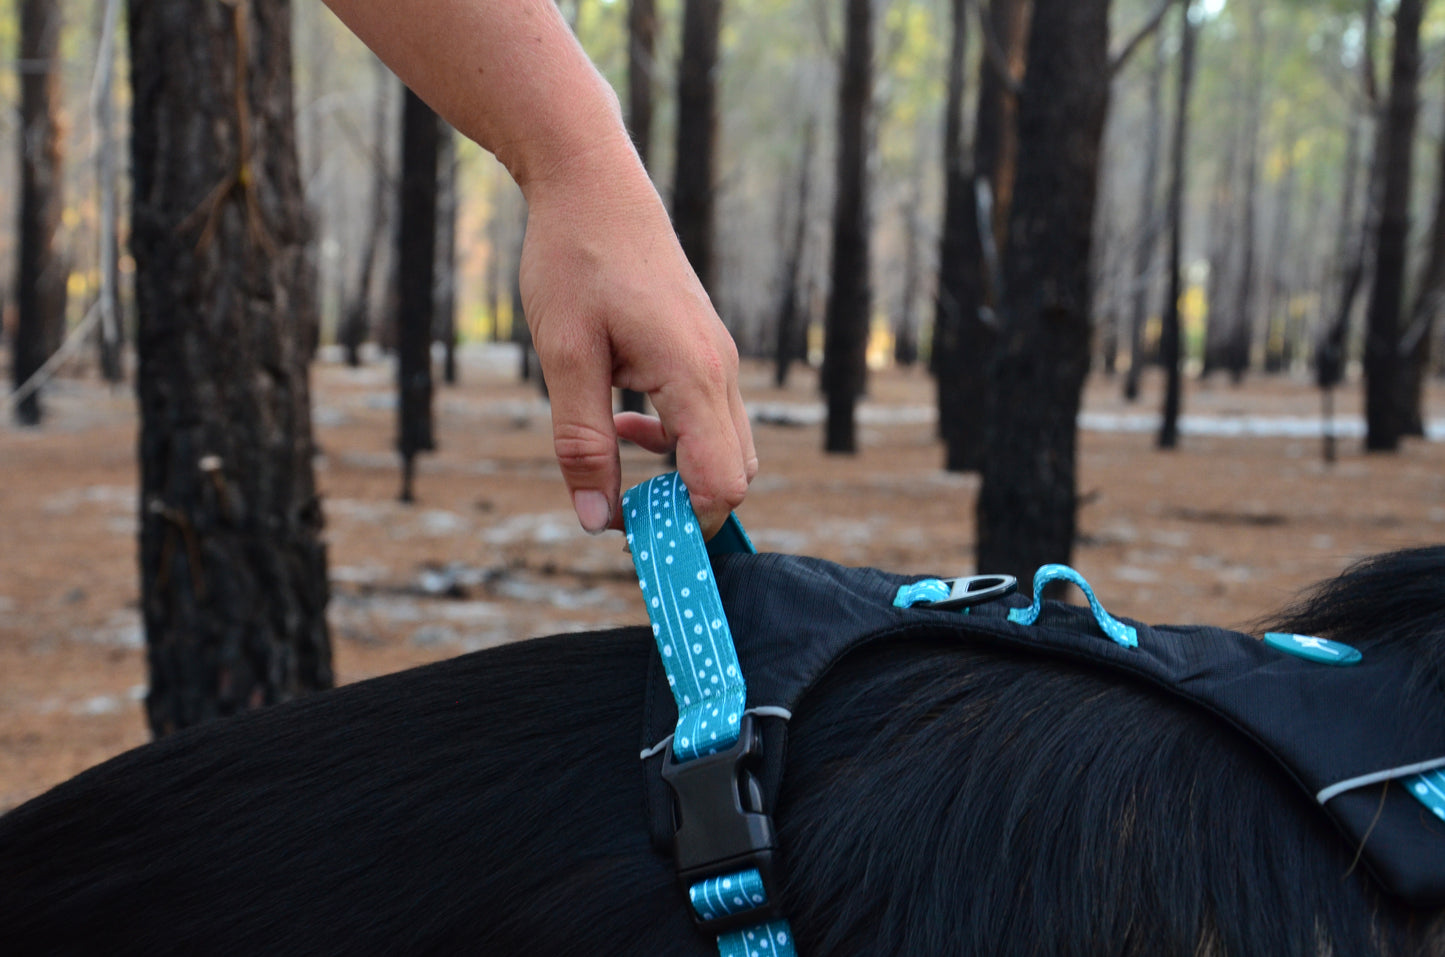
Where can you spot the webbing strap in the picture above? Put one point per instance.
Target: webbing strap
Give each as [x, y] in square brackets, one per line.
[696, 646]
[1126, 635]
[687, 617]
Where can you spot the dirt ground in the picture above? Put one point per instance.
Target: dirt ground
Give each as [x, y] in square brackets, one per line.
[1223, 530]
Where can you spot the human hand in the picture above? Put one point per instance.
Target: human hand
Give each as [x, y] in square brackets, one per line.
[611, 301]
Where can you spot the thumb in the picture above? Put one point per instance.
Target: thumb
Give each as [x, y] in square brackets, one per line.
[585, 440]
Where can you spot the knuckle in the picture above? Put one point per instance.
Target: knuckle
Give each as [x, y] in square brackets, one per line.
[582, 448]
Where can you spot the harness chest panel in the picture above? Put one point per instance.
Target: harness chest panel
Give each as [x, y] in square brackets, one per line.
[1340, 733]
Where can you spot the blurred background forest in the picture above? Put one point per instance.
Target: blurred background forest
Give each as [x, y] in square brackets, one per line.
[1212, 226]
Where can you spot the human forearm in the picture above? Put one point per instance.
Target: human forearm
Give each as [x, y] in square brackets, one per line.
[507, 74]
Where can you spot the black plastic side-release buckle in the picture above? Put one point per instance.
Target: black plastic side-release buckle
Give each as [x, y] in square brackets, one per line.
[720, 824]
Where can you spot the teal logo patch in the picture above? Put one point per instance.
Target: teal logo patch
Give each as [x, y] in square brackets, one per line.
[1313, 649]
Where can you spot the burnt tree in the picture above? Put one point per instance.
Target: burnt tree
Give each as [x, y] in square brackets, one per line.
[357, 325]
[1169, 345]
[40, 281]
[416, 258]
[641, 52]
[791, 344]
[1383, 420]
[1148, 225]
[692, 193]
[1429, 300]
[978, 191]
[845, 347]
[233, 567]
[1027, 501]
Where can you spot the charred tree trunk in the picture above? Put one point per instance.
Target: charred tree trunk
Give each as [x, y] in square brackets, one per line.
[1277, 305]
[905, 337]
[976, 203]
[1169, 351]
[233, 567]
[792, 344]
[958, 331]
[416, 256]
[40, 281]
[1330, 349]
[642, 43]
[1148, 225]
[444, 323]
[103, 111]
[1429, 301]
[692, 194]
[845, 365]
[1383, 421]
[357, 325]
[1241, 325]
[1027, 502]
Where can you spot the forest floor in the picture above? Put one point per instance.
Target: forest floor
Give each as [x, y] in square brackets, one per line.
[1225, 529]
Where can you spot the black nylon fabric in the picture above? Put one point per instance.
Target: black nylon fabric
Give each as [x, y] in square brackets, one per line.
[792, 618]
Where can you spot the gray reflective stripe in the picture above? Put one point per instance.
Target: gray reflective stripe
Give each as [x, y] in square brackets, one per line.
[1334, 790]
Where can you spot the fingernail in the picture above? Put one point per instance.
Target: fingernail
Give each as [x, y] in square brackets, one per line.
[592, 510]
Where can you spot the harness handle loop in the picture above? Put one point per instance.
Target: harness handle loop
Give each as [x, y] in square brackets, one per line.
[1126, 635]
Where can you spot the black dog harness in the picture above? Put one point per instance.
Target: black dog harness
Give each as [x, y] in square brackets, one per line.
[1334, 720]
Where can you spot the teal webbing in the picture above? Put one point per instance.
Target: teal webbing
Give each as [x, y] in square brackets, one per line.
[702, 669]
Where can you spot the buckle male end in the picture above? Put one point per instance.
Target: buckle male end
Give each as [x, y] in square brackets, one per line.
[720, 824]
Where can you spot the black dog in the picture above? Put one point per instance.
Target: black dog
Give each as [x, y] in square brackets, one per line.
[938, 799]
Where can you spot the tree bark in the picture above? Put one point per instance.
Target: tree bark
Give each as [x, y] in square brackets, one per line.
[845, 366]
[40, 281]
[1027, 502]
[1169, 346]
[1429, 301]
[1148, 225]
[103, 112]
[1277, 305]
[233, 567]
[358, 323]
[416, 251]
[792, 345]
[1241, 324]
[1383, 421]
[692, 194]
[641, 47]
[444, 322]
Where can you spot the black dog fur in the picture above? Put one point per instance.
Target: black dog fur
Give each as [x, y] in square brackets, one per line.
[938, 800]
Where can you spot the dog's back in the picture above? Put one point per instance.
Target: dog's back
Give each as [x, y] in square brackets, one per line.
[937, 800]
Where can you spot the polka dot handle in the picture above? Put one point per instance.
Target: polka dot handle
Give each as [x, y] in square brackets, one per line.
[687, 617]
[1126, 635]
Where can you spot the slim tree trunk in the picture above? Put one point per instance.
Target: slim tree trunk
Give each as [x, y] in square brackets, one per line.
[845, 366]
[1148, 225]
[444, 323]
[416, 252]
[960, 278]
[40, 281]
[792, 344]
[1353, 241]
[1169, 351]
[1027, 502]
[1276, 304]
[233, 566]
[103, 113]
[692, 195]
[357, 325]
[1429, 301]
[1241, 326]
[642, 43]
[1382, 359]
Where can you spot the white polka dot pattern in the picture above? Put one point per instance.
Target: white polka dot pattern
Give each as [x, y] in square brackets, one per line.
[687, 615]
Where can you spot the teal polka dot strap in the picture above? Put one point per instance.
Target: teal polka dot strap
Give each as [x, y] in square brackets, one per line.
[702, 669]
[687, 617]
[1123, 634]
[772, 939]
